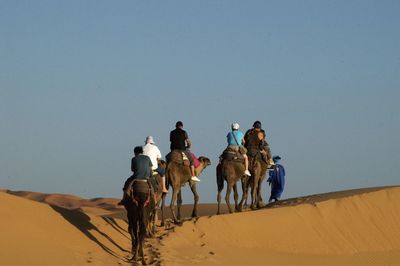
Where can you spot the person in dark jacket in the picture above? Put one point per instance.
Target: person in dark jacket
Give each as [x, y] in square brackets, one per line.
[141, 167]
[276, 179]
[256, 143]
[180, 141]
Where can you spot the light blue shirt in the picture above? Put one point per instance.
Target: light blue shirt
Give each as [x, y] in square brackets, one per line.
[238, 135]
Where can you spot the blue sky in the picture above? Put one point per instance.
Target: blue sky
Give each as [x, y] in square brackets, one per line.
[83, 82]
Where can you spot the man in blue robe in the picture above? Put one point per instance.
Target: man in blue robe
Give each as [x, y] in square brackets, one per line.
[276, 179]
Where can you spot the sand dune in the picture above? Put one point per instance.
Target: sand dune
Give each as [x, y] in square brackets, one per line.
[361, 229]
[355, 227]
[39, 234]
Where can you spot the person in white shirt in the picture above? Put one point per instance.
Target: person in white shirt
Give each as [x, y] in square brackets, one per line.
[154, 153]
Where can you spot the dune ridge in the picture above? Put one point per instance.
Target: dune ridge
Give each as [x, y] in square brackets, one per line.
[361, 228]
[98, 206]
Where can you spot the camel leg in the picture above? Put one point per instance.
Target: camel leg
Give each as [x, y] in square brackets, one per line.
[260, 203]
[196, 199]
[244, 193]
[248, 185]
[227, 196]
[162, 208]
[219, 201]
[172, 206]
[219, 181]
[179, 204]
[247, 188]
[132, 241]
[254, 193]
[135, 241]
[235, 196]
[142, 234]
[260, 199]
[131, 232]
[153, 222]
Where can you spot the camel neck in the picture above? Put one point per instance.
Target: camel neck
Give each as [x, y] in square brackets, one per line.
[199, 169]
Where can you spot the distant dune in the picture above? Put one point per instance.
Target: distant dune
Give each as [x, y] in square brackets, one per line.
[97, 206]
[354, 227]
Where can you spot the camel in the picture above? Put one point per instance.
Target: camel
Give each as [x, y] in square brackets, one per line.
[231, 171]
[258, 169]
[158, 199]
[138, 207]
[177, 175]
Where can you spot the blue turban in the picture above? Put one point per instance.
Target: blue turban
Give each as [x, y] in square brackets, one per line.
[276, 158]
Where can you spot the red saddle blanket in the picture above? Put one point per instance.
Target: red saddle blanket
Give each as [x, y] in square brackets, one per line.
[196, 161]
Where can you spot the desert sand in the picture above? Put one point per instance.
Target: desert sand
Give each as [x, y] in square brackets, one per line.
[354, 227]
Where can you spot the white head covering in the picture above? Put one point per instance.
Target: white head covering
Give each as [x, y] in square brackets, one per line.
[150, 140]
[235, 126]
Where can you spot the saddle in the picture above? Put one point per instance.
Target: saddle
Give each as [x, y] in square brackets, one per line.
[256, 154]
[154, 181]
[140, 191]
[230, 154]
[177, 157]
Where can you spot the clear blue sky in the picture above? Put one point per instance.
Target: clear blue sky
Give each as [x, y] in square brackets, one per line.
[83, 82]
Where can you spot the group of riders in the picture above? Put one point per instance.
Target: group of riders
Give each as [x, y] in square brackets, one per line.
[143, 190]
[146, 162]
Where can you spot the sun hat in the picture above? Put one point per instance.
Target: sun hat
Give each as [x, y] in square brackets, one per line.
[150, 140]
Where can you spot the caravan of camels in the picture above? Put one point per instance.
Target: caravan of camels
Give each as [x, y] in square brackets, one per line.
[247, 158]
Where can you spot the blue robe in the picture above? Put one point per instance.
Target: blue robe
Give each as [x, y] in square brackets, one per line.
[277, 181]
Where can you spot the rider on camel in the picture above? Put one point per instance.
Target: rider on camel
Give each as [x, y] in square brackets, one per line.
[235, 140]
[141, 167]
[256, 144]
[153, 152]
[180, 141]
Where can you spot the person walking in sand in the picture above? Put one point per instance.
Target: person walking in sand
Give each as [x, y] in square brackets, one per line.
[276, 179]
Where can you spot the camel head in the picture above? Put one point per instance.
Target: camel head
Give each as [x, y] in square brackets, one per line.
[205, 161]
[162, 164]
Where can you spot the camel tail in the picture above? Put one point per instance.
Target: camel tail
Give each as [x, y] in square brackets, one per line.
[220, 179]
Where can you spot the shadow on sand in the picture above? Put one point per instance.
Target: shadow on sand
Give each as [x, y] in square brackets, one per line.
[116, 226]
[82, 221]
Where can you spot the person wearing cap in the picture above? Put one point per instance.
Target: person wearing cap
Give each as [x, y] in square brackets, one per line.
[276, 179]
[153, 152]
[180, 141]
[255, 142]
[235, 140]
